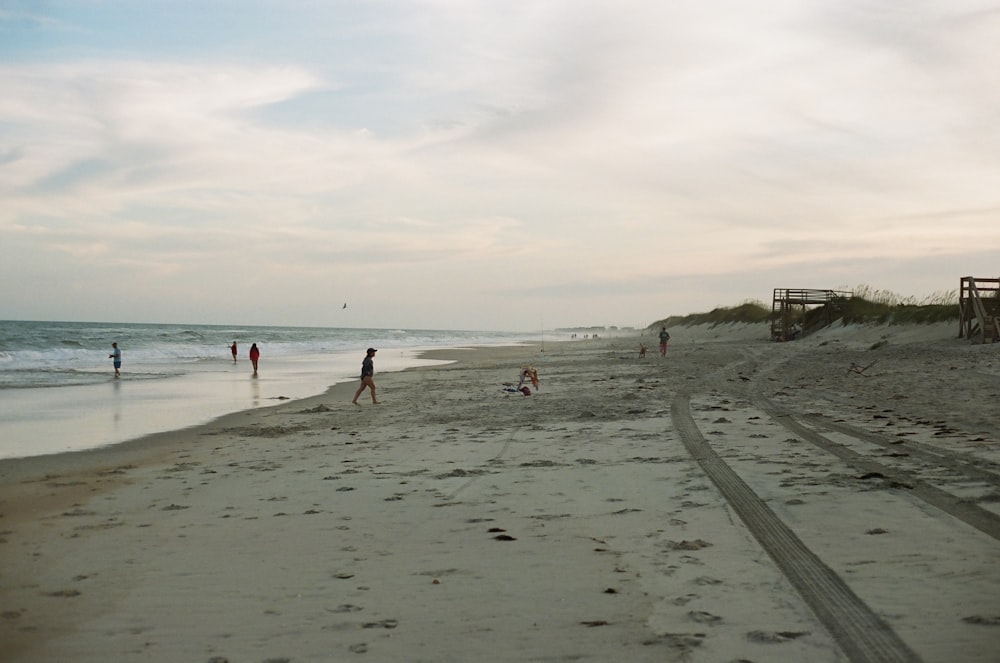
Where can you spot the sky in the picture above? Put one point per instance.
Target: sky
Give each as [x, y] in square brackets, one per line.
[489, 164]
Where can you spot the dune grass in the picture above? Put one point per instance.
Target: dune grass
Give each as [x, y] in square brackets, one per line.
[866, 306]
[748, 312]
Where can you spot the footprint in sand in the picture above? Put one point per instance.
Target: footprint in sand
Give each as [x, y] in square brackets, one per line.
[703, 617]
[64, 593]
[78, 512]
[683, 642]
[697, 544]
[774, 636]
[705, 580]
[346, 607]
[385, 623]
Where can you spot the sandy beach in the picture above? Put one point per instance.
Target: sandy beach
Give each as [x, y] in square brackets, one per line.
[823, 500]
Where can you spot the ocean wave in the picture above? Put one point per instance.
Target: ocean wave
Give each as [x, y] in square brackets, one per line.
[56, 354]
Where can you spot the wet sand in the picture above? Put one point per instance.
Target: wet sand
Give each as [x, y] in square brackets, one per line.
[739, 500]
[42, 421]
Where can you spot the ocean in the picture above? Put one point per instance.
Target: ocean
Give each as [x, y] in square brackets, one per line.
[58, 392]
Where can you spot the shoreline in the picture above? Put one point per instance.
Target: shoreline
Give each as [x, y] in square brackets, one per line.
[456, 522]
[119, 410]
[153, 447]
[19, 472]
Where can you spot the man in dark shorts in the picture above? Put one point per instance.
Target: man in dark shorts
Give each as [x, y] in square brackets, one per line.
[664, 339]
[116, 356]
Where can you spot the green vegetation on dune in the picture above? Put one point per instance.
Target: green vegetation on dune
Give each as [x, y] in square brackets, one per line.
[748, 312]
[860, 311]
[867, 306]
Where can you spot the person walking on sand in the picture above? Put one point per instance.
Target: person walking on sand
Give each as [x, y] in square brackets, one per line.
[664, 339]
[233, 348]
[367, 376]
[116, 355]
[254, 357]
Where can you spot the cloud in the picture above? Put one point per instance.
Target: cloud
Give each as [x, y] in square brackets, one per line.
[480, 151]
[109, 120]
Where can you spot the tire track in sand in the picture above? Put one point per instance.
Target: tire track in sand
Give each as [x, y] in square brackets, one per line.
[861, 634]
[966, 464]
[971, 514]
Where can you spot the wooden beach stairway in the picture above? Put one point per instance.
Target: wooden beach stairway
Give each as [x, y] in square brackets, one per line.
[788, 308]
[979, 309]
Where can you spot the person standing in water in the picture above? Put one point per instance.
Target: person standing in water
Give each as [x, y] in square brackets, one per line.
[233, 348]
[254, 357]
[116, 355]
[367, 376]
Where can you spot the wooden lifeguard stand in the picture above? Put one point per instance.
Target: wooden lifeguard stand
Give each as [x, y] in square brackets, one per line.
[979, 309]
[789, 305]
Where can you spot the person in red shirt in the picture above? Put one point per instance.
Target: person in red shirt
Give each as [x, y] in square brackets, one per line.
[254, 357]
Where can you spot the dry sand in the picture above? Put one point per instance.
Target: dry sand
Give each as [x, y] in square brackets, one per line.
[739, 501]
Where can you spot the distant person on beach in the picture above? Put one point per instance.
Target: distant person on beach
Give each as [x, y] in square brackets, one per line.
[233, 348]
[116, 355]
[664, 339]
[254, 357]
[367, 376]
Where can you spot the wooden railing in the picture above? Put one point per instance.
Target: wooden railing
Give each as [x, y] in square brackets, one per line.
[979, 309]
[788, 309]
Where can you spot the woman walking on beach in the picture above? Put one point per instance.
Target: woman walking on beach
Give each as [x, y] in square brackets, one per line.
[254, 357]
[233, 349]
[367, 376]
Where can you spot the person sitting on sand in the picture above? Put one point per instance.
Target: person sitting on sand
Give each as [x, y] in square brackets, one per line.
[528, 373]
